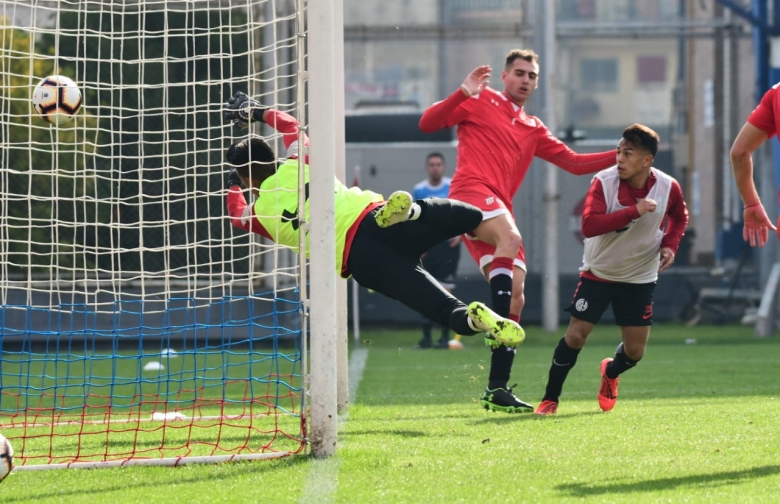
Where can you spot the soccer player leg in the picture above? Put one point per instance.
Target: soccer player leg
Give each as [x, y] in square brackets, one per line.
[440, 219]
[564, 358]
[632, 305]
[400, 276]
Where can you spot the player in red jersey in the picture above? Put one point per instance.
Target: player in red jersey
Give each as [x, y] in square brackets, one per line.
[633, 220]
[497, 142]
[761, 124]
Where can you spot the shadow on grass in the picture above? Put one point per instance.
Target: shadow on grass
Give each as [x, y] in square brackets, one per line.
[710, 480]
[93, 493]
[519, 417]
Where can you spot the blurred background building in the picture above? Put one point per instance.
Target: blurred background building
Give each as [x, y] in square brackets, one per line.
[688, 69]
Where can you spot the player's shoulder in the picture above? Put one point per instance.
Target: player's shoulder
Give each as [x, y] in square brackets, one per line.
[660, 174]
[607, 174]
[423, 184]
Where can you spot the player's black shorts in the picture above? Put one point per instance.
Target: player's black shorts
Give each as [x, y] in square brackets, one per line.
[442, 262]
[632, 304]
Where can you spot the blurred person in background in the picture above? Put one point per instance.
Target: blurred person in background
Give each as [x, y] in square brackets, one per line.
[441, 261]
[497, 142]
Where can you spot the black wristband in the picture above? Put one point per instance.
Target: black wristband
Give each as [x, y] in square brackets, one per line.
[258, 112]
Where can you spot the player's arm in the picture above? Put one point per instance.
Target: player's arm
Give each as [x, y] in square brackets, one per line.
[288, 126]
[450, 111]
[552, 150]
[595, 219]
[756, 222]
[240, 213]
[242, 110]
[677, 216]
[759, 126]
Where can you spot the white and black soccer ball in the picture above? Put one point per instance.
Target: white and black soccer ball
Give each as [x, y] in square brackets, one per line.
[57, 99]
[6, 457]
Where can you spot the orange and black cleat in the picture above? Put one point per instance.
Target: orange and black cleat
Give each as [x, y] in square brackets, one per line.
[547, 408]
[609, 388]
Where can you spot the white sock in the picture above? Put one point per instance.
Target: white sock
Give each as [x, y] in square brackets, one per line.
[415, 212]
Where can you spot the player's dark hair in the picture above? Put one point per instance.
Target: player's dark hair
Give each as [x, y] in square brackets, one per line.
[433, 155]
[255, 152]
[641, 135]
[526, 54]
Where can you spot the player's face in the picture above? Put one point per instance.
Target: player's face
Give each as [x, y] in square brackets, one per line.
[520, 80]
[435, 169]
[633, 162]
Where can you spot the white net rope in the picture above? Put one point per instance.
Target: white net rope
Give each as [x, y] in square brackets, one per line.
[113, 228]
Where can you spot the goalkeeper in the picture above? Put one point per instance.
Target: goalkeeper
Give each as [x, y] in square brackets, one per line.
[378, 242]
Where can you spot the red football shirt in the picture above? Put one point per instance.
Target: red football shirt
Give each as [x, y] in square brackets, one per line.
[767, 114]
[497, 142]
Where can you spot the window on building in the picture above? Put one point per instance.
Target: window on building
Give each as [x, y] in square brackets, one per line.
[600, 75]
[650, 69]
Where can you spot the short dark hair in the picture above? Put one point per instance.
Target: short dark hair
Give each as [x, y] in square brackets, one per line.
[527, 54]
[641, 135]
[433, 155]
[254, 151]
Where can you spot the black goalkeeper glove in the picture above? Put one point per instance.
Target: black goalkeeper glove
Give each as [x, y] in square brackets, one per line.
[242, 110]
[233, 179]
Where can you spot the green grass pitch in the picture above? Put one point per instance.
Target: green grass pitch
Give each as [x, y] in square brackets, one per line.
[693, 423]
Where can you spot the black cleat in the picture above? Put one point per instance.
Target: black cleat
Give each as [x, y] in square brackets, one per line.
[502, 399]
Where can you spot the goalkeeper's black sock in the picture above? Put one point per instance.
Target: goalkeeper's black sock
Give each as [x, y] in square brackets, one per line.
[564, 358]
[501, 360]
[500, 278]
[620, 364]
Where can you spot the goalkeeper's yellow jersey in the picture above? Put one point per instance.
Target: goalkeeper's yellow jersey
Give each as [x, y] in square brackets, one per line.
[276, 208]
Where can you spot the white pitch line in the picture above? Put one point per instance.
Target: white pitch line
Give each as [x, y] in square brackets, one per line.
[322, 481]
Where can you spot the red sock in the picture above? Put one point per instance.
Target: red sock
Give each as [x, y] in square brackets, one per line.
[514, 317]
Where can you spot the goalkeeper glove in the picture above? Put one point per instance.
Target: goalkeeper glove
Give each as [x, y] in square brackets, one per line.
[233, 179]
[242, 110]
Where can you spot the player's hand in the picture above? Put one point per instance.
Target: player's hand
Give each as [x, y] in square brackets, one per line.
[476, 81]
[646, 205]
[757, 225]
[233, 179]
[242, 110]
[454, 241]
[667, 259]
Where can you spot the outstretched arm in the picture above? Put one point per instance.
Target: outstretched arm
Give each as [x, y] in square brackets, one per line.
[288, 126]
[756, 222]
[558, 153]
[448, 113]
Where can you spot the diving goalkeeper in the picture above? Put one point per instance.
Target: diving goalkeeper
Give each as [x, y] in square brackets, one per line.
[378, 242]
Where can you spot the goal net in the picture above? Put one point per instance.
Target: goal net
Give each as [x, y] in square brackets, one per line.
[136, 324]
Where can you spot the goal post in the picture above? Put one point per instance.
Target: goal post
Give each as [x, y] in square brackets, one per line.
[137, 325]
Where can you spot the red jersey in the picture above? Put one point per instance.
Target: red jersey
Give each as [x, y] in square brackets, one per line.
[596, 221]
[766, 115]
[497, 142]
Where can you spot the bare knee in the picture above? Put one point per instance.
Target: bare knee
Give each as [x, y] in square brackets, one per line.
[508, 244]
[577, 333]
[634, 352]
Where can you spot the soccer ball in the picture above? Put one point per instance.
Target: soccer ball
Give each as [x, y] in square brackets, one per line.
[57, 99]
[6, 457]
